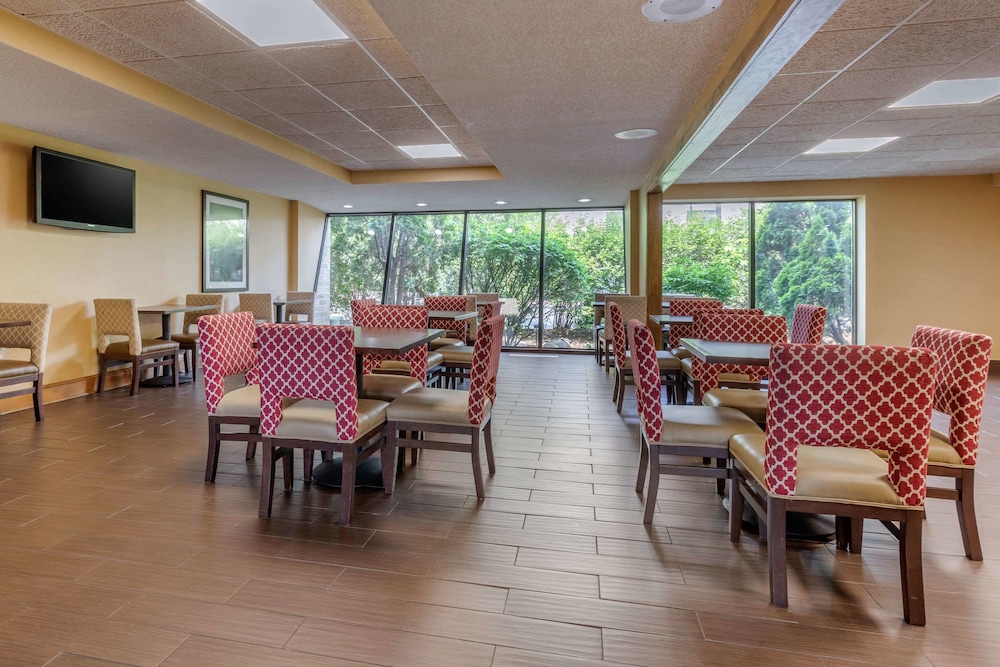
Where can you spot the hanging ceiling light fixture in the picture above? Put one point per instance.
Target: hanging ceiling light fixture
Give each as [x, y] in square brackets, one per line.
[678, 11]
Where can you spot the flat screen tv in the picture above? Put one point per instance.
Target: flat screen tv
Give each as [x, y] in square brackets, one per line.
[79, 193]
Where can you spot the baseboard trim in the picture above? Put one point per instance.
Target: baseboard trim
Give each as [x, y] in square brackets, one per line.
[67, 389]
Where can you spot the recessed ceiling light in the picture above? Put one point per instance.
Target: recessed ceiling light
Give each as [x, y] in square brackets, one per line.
[499, 202]
[638, 133]
[430, 151]
[678, 11]
[955, 91]
[348, 205]
[421, 203]
[270, 22]
[861, 145]
[585, 200]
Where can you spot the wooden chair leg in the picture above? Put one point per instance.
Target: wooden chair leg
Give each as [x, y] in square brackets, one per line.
[777, 555]
[965, 485]
[608, 351]
[654, 484]
[911, 570]
[252, 444]
[194, 364]
[348, 469]
[102, 371]
[614, 392]
[307, 465]
[490, 461]
[212, 464]
[266, 481]
[720, 483]
[477, 465]
[388, 455]
[640, 480]
[843, 532]
[735, 505]
[177, 370]
[857, 534]
[40, 404]
[135, 377]
[288, 460]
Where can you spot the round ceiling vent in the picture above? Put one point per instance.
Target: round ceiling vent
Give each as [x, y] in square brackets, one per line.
[638, 133]
[678, 11]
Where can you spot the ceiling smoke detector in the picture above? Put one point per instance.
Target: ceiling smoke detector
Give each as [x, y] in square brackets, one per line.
[678, 11]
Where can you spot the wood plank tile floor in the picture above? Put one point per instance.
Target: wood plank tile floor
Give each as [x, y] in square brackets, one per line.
[114, 552]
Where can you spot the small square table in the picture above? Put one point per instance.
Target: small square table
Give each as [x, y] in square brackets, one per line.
[279, 307]
[384, 340]
[729, 352]
[165, 311]
[456, 315]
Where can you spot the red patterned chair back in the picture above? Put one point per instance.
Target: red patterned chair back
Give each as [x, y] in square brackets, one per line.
[485, 364]
[862, 396]
[357, 305]
[397, 317]
[743, 311]
[227, 348]
[687, 308]
[960, 390]
[460, 327]
[617, 326]
[646, 375]
[491, 309]
[742, 327]
[308, 361]
[807, 324]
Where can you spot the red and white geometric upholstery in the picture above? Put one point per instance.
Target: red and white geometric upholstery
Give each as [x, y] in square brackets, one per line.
[687, 308]
[646, 375]
[357, 305]
[807, 324]
[227, 348]
[960, 390]
[741, 327]
[396, 317]
[314, 362]
[458, 303]
[860, 396]
[485, 368]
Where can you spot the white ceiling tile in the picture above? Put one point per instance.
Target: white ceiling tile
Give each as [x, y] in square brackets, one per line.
[887, 128]
[761, 116]
[292, 99]
[319, 123]
[233, 103]
[956, 10]
[175, 74]
[420, 90]
[826, 112]
[933, 44]
[310, 142]
[96, 36]
[350, 140]
[398, 118]
[36, 7]
[357, 18]
[366, 94]
[413, 137]
[832, 51]
[328, 63]
[244, 70]
[173, 28]
[389, 54]
[791, 88]
[864, 14]
[895, 82]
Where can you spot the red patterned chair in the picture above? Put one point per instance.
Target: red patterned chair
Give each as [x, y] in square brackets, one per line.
[433, 410]
[227, 349]
[686, 308]
[697, 432]
[603, 341]
[731, 326]
[457, 330]
[964, 364]
[669, 365]
[387, 377]
[314, 363]
[828, 407]
[808, 322]
[357, 305]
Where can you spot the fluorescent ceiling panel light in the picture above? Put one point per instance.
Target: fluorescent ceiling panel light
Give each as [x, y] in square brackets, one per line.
[947, 93]
[430, 151]
[274, 22]
[862, 145]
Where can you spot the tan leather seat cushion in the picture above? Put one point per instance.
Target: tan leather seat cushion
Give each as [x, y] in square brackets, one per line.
[185, 339]
[941, 452]
[394, 366]
[121, 348]
[438, 343]
[458, 355]
[702, 425]
[433, 406]
[434, 359]
[317, 420]
[388, 387]
[839, 474]
[664, 360]
[10, 368]
[681, 352]
[242, 402]
[686, 364]
[748, 401]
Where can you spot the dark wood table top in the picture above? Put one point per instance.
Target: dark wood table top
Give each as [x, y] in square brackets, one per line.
[672, 319]
[14, 323]
[170, 308]
[285, 302]
[729, 352]
[381, 340]
[452, 314]
[600, 304]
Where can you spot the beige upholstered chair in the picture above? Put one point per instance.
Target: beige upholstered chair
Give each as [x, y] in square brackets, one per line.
[188, 337]
[119, 317]
[258, 304]
[605, 339]
[300, 312]
[34, 338]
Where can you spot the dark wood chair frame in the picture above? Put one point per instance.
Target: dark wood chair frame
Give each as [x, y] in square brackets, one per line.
[904, 524]
[964, 497]
[668, 378]
[216, 436]
[35, 389]
[713, 464]
[157, 359]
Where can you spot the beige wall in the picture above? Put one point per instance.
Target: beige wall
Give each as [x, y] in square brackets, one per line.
[931, 247]
[160, 263]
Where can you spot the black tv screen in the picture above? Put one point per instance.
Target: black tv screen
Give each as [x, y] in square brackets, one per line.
[79, 193]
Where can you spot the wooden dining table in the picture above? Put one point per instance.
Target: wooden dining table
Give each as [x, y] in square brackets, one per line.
[729, 352]
[166, 311]
[456, 315]
[384, 340]
[667, 320]
[279, 307]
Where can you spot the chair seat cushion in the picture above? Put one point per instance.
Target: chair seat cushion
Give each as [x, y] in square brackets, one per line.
[941, 452]
[148, 346]
[681, 352]
[398, 367]
[434, 359]
[433, 406]
[686, 365]
[836, 474]
[751, 403]
[664, 361]
[700, 425]
[242, 402]
[10, 368]
[388, 387]
[185, 339]
[459, 354]
[317, 420]
[438, 343]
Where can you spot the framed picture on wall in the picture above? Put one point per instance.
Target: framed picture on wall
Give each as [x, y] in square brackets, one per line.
[225, 231]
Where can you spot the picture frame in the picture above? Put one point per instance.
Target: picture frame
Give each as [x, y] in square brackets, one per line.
[225, 243]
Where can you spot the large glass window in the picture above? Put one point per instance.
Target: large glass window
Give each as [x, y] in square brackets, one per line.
[426, 257]
[802, 252]
[584, 253]
[358, 245]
